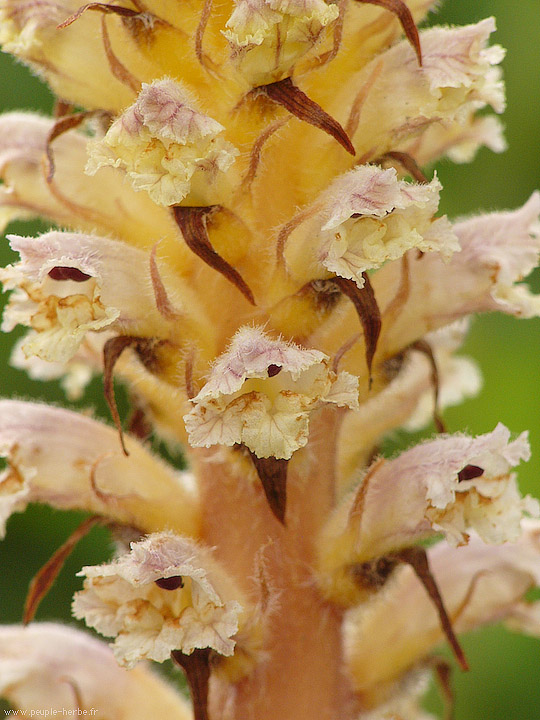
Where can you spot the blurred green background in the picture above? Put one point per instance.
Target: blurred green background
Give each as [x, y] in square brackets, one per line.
[504, 682]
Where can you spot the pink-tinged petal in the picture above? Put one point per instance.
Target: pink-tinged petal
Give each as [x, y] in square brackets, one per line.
[68, 284]
[454, 484]
[498, 250]
[149, 619]
[167, 147]
[368, 217]
[392, 101]
[70, 461]
[261, 392]
[399, 627]
[408, 400]
[53, 668]
[71, 199]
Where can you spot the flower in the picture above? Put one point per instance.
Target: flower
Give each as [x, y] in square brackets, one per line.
[165, 595]
[260, 394]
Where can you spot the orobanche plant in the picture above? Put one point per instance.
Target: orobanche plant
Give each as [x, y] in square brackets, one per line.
[244, 235]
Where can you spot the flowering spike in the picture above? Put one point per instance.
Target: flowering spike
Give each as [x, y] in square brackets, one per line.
[286, 93]
[400, 9]
[367, 309]
[417, 558]
[192, 223]
[196, 666]
[272, 473]
[42, 582]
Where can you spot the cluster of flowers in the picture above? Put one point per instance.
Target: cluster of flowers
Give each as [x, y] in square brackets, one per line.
[248, 242]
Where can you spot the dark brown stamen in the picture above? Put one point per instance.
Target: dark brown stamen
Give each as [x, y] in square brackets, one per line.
[42, 582]
[197, 669]
[407, 162]
[192, 224]
[417, 558]
[372, 575]
[62, 272]
[470, 472]
[425, 348]
[272, 473]
[170, 583]
[273, 370]
[286, 93]
[404, 15]
[368, 312]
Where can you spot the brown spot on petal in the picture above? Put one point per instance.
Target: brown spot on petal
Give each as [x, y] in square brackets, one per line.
[272, 473]
[404, 15]
[417, 558]
[470, 472]
[197, 669]
[42, 582]
[287, 94]
[62, 272]
[425, 348]
[368, 312]
[192, 224]
[170, 583]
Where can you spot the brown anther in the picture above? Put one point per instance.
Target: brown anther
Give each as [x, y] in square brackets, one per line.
[470, 472]
[62, 272]
[417, 558]
[43, 580]
[368, 312]
[197, 669]
[273, 370]
[407, 162]
[404, 15]
[288, 95]
[272, 473]
[170, 583]
[425, 348]
[192, 223]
